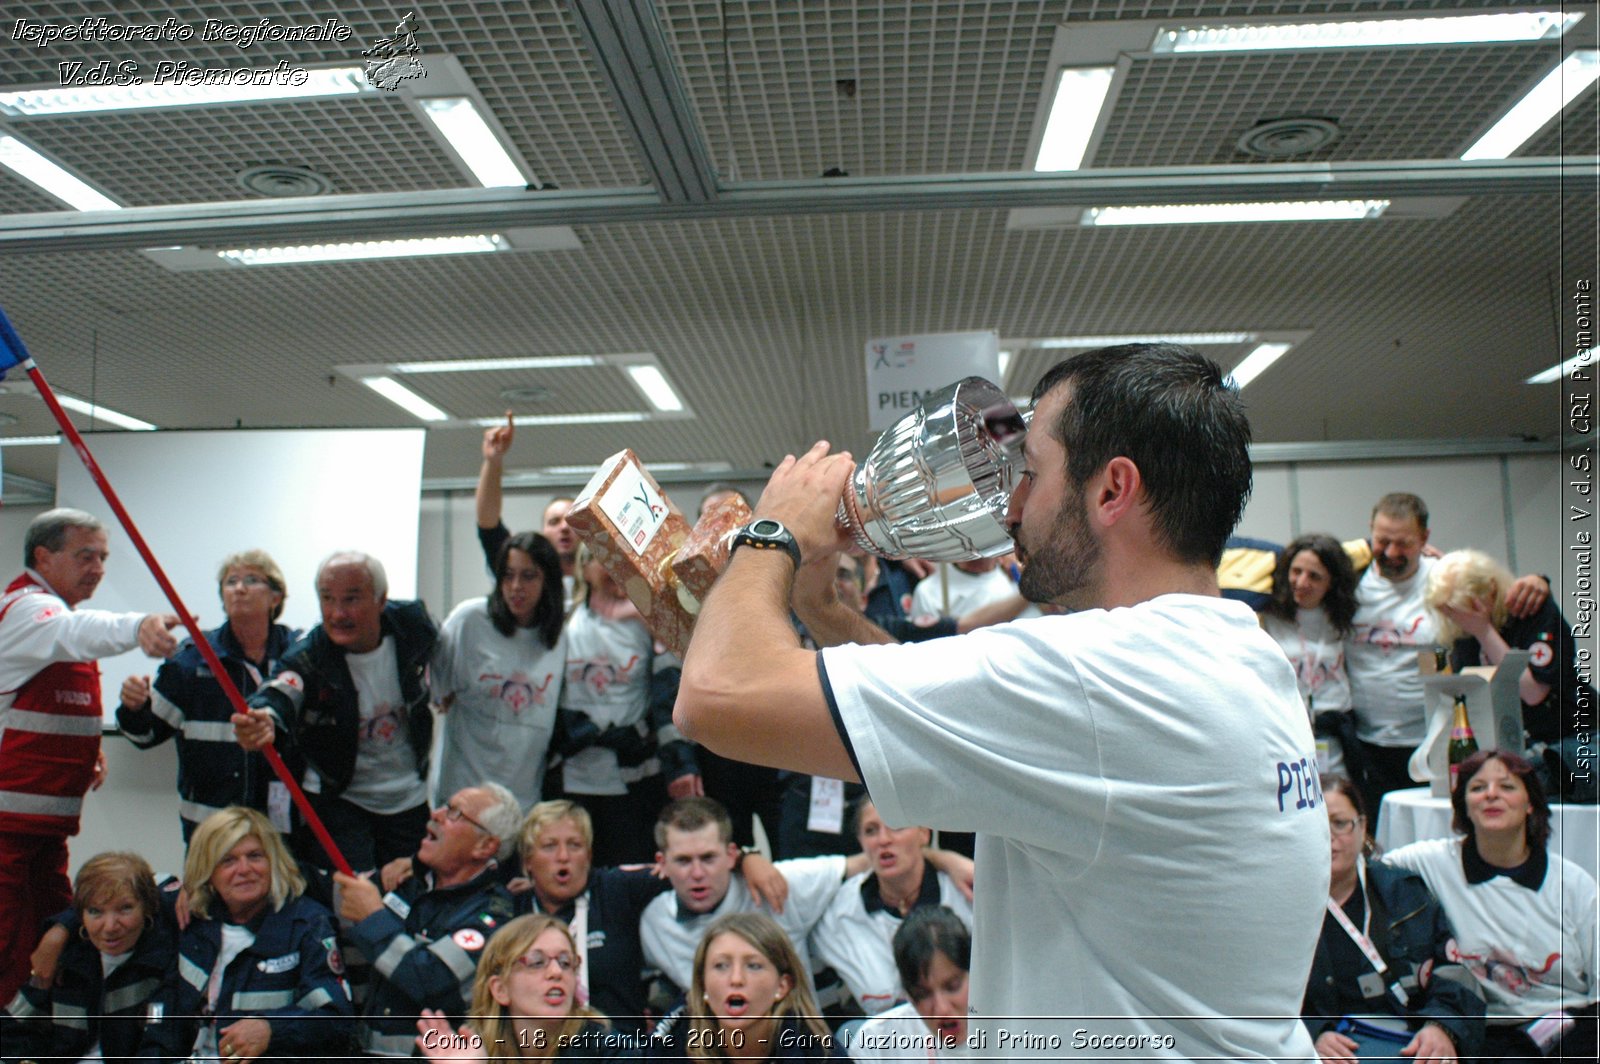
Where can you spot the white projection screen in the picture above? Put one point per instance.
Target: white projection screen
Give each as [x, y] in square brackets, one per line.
[199, 496]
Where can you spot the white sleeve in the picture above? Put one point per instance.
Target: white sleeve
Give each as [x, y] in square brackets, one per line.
[442, 669]
[39, 630]
[813, 881]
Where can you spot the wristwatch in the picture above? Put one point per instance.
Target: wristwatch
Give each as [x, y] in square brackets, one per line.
[767, 534]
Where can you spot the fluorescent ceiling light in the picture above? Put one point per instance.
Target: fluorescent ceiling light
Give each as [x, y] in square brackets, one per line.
[1203, 213]
[83, 406]
[35, 168]
[1373, 33]
[457, 118]
[1005, 363]
[1189, 339]
[269, 84]
[602, 418]
[366, 249]
[653, 383]
[655, 467]
[1564, 369]
[28, 441]
[405, 398]
[490, 365]
[1544, 101]
[1256, 362]
[1074, 112]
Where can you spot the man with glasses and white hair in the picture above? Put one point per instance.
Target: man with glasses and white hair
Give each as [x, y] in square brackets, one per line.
[425, 935]
[50, 717]
[352, 700]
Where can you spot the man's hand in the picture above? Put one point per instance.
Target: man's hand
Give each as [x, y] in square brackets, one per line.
[180, 908]
[957, 866]
[804, 494]
[46, 955]
[1331, 1045]
[101, 770]
[497, 441]
[155, 635]
[689, 785]
[395, 873]
[918, 567]
[814, 585]
[765, 882]
[358, 897]
[254, 729]
[135, 692]
[1527, 595]
[1431, 1043]
[244, 1039]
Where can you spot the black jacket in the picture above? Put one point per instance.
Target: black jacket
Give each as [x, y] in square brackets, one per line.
[314, 698]
[1417, 933]
[83, 1007]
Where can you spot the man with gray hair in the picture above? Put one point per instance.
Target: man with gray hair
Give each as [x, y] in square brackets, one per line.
[425, 935]
[351, 698]
[50, 717]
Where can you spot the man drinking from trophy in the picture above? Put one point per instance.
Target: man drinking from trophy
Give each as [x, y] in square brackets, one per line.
[1151, 855]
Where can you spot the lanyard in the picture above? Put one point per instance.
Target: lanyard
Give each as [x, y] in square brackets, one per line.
[1359, 937]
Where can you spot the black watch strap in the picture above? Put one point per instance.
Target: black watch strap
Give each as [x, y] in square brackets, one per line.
[766, 534]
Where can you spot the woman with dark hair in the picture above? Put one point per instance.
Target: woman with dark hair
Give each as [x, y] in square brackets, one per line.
[96, 1005]
[1309, 615]
[1383, 941]
[1525, 919]
[749, 999]
[496, 674]
[933, 952]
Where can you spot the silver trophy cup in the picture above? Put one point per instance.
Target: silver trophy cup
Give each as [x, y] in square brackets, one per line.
[937, 483]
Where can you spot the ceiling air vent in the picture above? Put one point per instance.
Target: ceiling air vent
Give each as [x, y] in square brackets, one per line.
[1283, 138]
[279, 181]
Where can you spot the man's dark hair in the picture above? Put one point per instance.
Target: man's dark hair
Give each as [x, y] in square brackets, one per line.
[926, 931]
[1402, 505]
[552, 596]
[1168, 409]
[692, 814]
[1340, 601]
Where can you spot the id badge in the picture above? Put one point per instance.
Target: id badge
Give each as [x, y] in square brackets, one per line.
[278, 805]
[1371, 985]
[827, 806]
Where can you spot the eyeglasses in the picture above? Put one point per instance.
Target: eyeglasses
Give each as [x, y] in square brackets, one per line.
[247, 580]
[538, 960]
[453, 812]
[1342, 827]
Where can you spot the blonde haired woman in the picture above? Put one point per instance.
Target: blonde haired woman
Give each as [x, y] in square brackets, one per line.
[749, 999]
[257, 967]
[525, 1004]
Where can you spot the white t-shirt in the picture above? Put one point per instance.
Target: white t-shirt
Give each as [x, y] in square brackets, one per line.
[670, 939]
[236, 938]
[859, 945]
[900, 1034]
[968, 591]
[1316, 650]
[505, 690]
[1531, 951]
[608, 677]
[1391, 625]
[1152, 856]
[385, 779]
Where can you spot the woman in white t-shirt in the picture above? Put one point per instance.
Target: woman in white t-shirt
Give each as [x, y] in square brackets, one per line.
[1525, 919]
[605, 731]
[1309, 614]
[932, 950]
[497, 672]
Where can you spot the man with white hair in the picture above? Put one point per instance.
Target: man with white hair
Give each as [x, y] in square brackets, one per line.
[425, 936]
[351, 698]
[50, 717]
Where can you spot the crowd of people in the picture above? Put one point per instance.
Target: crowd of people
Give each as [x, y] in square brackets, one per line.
[575, 887]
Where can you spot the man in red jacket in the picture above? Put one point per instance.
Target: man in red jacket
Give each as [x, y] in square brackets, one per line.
[50, 717]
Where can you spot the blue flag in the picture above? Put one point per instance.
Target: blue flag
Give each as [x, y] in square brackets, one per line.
[12, 353]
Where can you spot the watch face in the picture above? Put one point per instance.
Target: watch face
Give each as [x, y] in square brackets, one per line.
[766, 526]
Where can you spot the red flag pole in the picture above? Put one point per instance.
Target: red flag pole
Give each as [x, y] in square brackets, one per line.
[200, 641]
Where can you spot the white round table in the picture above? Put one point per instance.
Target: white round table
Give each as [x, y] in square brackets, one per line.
[1414, 814]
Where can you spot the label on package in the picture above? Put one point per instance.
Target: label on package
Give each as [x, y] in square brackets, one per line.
[634, 507]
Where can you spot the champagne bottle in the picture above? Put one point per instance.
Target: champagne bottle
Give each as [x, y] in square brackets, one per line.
[1463, 744]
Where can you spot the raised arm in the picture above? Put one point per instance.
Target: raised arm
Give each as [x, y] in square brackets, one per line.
[487, 500]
